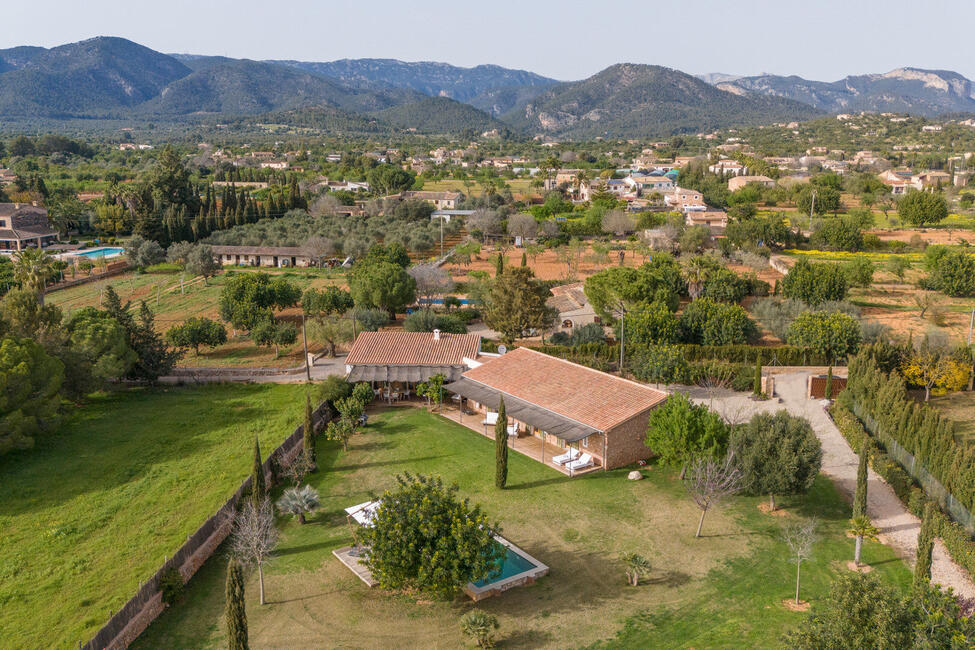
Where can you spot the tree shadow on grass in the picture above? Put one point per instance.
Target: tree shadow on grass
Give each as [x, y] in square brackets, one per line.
[524, 639]
[384, 463]
[291, 550]
[539, 483]
[669, 579]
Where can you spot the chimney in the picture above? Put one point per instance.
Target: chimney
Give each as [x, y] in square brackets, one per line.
[436, 335]
[34, 203]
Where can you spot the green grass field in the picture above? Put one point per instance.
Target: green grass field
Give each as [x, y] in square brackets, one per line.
[959, 407]
[723, 590]
[93, 508]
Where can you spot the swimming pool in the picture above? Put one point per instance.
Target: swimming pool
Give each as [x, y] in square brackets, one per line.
[517, 568]
[101, 252]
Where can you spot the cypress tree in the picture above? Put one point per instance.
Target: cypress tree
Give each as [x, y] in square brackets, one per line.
[925, 546]
[757, 381]
[501, 447]
[499, 265]
[524, 258]
[829, 383]
[308, 439]
[258, 485]
[235, 612]
[860, 498]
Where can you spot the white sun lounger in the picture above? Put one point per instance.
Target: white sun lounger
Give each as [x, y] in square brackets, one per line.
[568, 456]
[583, 461]
[490, 418]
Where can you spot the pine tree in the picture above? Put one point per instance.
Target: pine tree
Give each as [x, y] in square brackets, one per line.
[235, 612]
[258, 485]
[829, 383]
[501, 447]
[308, 439]
[860, 498]
[925, 547]
[757, 381]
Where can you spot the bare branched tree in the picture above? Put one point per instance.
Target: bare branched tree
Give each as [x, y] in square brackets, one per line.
[522, 225]
[254, 537]
[487, 221]
[431, 280]
[617, 222]
[801, 537]
[710, 481]
[298, 468]
[319, 247]
[716, 377]
[325, 205]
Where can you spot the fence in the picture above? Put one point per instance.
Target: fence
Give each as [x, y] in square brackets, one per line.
[116, 268]
[143, 608]
[932, 486]
[816, 386]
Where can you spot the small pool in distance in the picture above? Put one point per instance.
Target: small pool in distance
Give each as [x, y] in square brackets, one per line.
[101, 252]
[517, 568]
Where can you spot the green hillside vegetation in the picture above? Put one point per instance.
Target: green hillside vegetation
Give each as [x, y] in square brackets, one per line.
[440, 115]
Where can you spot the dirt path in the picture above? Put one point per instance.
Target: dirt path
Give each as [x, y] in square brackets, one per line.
[899, 528]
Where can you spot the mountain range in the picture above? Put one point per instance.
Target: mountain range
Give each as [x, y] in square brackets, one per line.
[114, 78]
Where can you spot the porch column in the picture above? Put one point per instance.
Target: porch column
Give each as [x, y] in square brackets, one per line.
[543, 446]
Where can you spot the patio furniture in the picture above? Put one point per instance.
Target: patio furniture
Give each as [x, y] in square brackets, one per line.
[569, 456]
[513, 430]
[490, 418]
[582, 462]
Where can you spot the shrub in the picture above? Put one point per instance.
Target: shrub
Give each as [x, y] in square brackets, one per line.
[707, 322]
[171, 585]
[859, 272]
[954, 274]
[659, 364]
[815, 283]
[832, 334]
[427, 320]
[648, 323]
[680, 431]
[480, 626]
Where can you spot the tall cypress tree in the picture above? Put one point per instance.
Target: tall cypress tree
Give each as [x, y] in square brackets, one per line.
[925, 546]
[308, 437]
[258, 485]
[829, 383]
[860, 498]
[501, 447]
[757, 380]
[499, 265]
[235, 612]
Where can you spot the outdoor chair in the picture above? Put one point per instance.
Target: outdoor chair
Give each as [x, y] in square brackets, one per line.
[583, 462]
[570, 455]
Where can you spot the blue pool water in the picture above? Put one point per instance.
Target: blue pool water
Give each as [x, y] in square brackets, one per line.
[513, 564]
[439, 301]
[102, 252]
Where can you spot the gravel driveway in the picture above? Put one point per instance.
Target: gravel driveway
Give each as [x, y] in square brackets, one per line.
[899, 528]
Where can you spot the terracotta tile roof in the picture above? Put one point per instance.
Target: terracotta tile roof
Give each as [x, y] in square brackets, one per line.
[568, 297]
[588, 396]
[397, 348]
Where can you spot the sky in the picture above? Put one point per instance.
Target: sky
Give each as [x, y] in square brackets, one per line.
[568, 40]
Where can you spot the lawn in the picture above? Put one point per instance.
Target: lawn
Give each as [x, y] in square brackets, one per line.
[958, 407]
[173, 305]
[91, 510]
[723, 590]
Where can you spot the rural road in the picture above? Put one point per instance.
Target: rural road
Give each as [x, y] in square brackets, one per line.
[898, 527]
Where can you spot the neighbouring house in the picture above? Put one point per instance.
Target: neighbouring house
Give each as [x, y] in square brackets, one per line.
[7, 177]
[716, 220]
[728, 168]
[899, 181]
[439, 200]
[685, 200]
[738, 182]
[573, 307]
[647, 185]
[563, 405]
[403, 359]
[934, 179]
[24, 225]
[447, 215]
[275, 256]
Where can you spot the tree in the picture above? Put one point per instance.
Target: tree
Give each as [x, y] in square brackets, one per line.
[331, 330]
[298, 502]
[934, 369]
[815, 284]
[860, 272]
[832, 334]
[918, 207]
[710, 481]
[308, 431]
[154, 357]
[757, 378]
[253, 537]
[954, 274]
[431, 280]
[651, 323]
[371, 319]
[340, 430]
[861, 528]
[522, 226]
[33, 267]
[271, 332]
[837, 234]
[827, 200]
[100, 349]
[480, 626]
[235, 610]
[829, 383]
[925, 546]
[143, 253]
[517, 304]
[382, 285]
[898, 266]
[656, 281]
[636, 566]
[29, 383]
[487, 222]
[860, 497]
[202, 261]
[196, 332]
[250, 298]
[680, 431]
[432, 389]
[708, 322]
[394, 253]
[389, 179]
[501, 448]
[777, 454]
[424, 537]
[617, 222]
[800, 538]
[659, 364]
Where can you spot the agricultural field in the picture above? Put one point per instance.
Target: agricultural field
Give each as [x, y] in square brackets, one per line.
[94, 507]
[173, 302]
[520, 187]
[725, 589]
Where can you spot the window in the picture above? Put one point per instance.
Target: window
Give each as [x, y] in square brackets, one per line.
[567, 323]
[598, 320]
[585, 443]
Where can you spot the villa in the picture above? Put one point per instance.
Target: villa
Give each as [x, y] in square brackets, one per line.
[560, 412]
[24, 226]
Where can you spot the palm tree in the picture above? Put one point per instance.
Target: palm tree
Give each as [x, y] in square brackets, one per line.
[33, 267]
[696, 271]
[861, 528]
[299, 501]
[637, 566]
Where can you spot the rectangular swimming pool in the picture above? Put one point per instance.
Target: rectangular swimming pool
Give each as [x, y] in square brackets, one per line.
[516, 569]
[101, 252]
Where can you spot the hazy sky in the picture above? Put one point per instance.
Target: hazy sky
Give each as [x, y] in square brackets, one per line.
[816, 39]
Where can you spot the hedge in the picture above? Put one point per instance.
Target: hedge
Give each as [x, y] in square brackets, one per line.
[961, 547]
[786, 355]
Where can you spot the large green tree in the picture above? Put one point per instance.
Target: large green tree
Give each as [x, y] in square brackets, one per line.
[100, 342]
[815, 283]
[196, 332]
[516, 304]
[659, 280]
[29, 383]
[832, 334]
[424, 537]
[382, 285]
[778, 454]
[250, 298]
[919, 207]
[680, 431]
[650, 323]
